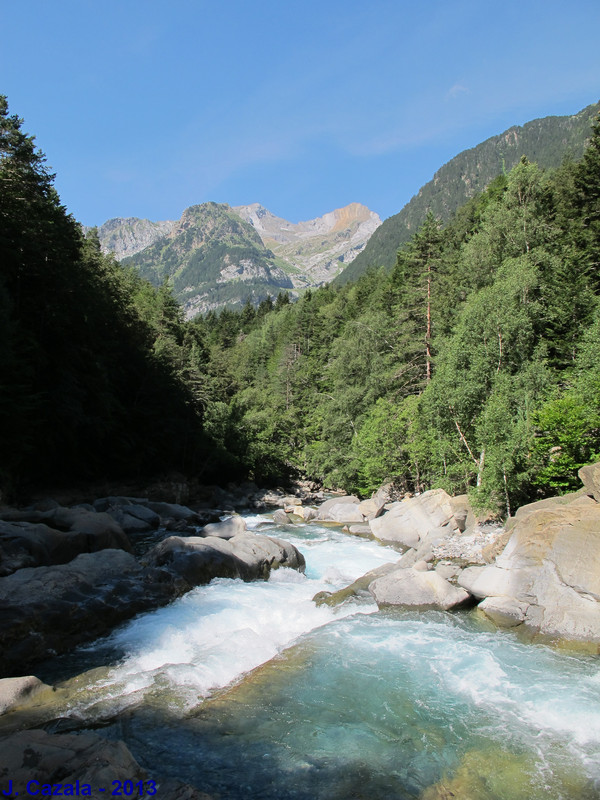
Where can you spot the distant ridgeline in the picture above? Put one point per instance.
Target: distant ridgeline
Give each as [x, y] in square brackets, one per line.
[217, 256]
[547, 142]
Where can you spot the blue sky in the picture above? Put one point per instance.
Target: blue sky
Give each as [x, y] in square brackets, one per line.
[144, 107]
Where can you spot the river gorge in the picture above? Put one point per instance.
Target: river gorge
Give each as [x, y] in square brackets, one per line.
[251, 690]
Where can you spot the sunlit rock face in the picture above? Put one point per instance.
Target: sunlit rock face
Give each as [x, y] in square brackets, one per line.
[216, 255]
[548, 576]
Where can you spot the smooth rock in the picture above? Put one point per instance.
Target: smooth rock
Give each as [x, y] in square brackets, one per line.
[324, 509]
[407, 523]
[13, 691]
[25, 544]
[372, 508]
[446, 570]
[411, 588]
[47, 610]
[359, 589]
[590, 477]
[345, 513]
[506, 612]
[247, 555]
[548, 575]
[226, 529]
[174, 511]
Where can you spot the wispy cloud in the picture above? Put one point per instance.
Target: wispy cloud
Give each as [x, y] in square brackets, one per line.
[456, 91]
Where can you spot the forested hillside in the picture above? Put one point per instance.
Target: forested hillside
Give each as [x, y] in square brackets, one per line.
[473, 365]
[99, 376]
[546, 141]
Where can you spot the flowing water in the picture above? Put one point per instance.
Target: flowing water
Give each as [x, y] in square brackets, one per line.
[349, 702]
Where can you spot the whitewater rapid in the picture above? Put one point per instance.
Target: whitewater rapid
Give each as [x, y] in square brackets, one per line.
[395, 701]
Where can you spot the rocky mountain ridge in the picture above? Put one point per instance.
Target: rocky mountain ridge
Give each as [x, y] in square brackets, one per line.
[319, 247]
[546, 141]
[216, 255]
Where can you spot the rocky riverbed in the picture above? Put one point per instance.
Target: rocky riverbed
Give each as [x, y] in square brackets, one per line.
[70, 574]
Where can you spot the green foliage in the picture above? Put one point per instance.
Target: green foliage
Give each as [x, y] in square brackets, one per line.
[545, 141]
[472, 365]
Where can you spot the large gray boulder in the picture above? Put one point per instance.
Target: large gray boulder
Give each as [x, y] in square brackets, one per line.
[50, 609]
[548, 576]
[173, 511]
[417, 589]
[324, 512]
[409, 522]
[248, 556]
[226, 529]
[590, 477]
[28, 544]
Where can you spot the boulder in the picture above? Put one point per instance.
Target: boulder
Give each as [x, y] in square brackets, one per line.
[226, 529]
[324, 509]
[447, 570]
[345, 513]
[14, 691]
[114, 501]
[291, 500]
[417, 589]
[25, 544]
[359, 589]
[83, 759]
[80, 519]
[305, 512]
[94, 523]
[408, 523]
[372, 508]
[133, 517]
[248, 556]
[174, 511]
[548, 575]
[47, 610]
[590, 477]
[364, 531]
[280, 517]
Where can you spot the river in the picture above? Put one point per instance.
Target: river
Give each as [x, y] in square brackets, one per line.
[249, 690]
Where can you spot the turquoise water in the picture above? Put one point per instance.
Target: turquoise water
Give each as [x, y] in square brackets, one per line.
[251, 691]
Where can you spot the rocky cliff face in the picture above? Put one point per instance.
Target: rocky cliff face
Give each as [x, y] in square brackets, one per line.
[320, 248]
[212, 258]
[216, 255]
[126, 237]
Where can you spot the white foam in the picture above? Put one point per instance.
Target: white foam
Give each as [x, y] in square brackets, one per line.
[217, 633]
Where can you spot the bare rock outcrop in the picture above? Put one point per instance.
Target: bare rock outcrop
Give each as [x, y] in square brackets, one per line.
[548, 575]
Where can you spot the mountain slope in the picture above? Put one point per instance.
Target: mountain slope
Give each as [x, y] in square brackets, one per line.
[320, 247]
[546, 141]
[126, 237]
[216, 255]
[212, 258]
